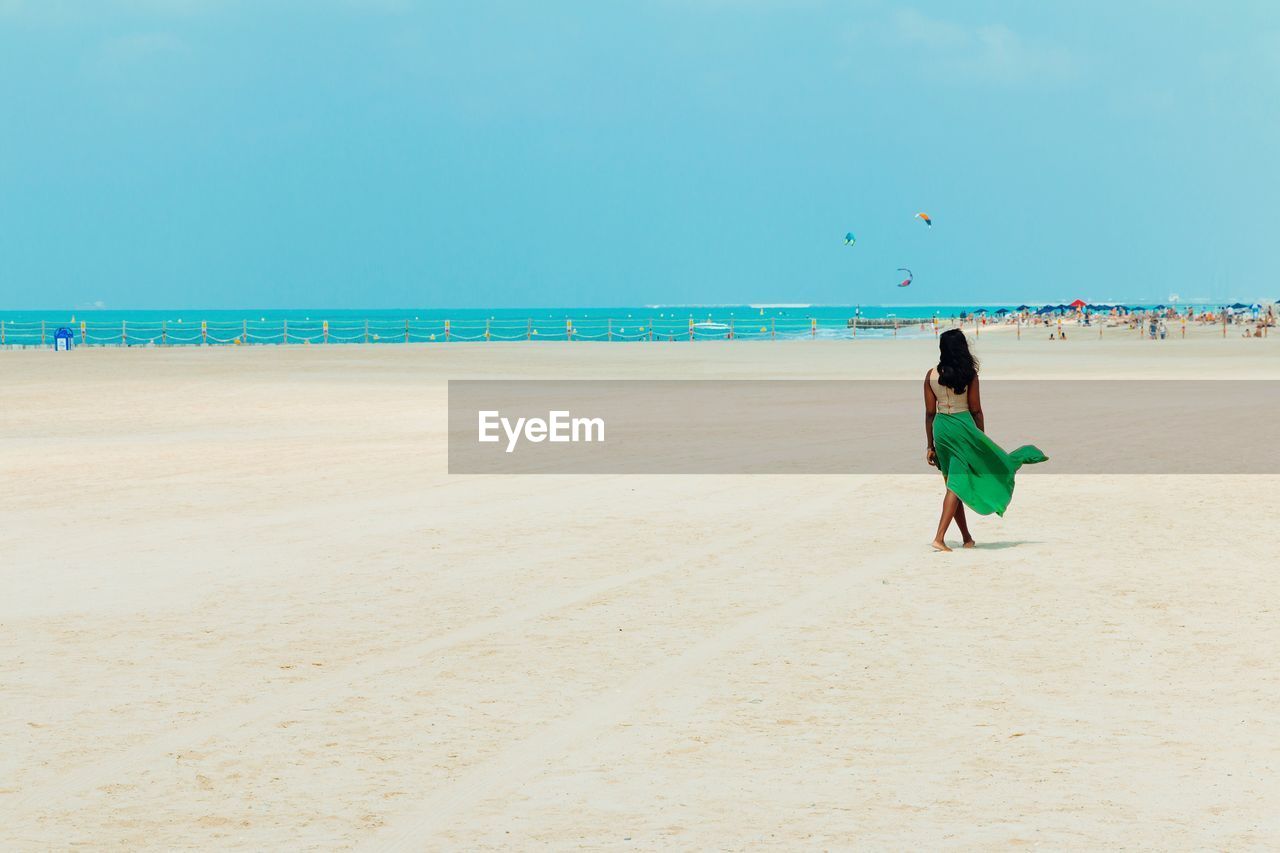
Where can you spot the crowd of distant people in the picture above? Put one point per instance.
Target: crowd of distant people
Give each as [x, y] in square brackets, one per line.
[1155, 324]
[1150, 323]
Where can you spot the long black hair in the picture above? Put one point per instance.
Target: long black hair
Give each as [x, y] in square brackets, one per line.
[956, 365]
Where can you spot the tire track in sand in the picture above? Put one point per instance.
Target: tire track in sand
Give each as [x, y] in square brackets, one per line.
[109, 770]
[510, 768]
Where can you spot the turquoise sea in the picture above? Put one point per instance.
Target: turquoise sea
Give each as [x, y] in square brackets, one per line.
[317, 326]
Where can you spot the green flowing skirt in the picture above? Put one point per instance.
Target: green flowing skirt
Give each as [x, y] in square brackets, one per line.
[977, 470]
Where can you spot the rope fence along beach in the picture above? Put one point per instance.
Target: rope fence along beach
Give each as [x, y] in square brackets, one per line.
[308, 332]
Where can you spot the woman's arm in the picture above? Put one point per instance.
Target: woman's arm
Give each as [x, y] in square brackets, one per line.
[930, 409]
[975, 405]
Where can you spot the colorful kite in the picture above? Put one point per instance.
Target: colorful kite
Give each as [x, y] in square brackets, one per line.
[849, 239]
[910, 277]
[927, 220]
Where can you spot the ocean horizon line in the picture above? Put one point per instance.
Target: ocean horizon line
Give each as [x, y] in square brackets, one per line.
[1199, 301]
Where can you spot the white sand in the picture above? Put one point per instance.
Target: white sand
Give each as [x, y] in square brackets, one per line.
[244, 607]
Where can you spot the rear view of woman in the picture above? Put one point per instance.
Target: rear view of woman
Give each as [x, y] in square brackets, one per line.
[978, 474]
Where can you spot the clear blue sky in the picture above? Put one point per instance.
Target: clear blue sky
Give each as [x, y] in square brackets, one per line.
[338, 153]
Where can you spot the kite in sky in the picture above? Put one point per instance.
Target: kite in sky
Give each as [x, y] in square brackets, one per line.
[927, 219]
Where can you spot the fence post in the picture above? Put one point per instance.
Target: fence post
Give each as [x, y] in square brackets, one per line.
[124, 333]
[1019, 322]
[286, 330]
[1224, 333]
[895, 328]
[651, 328]
[773, 329]
[446, 330]
[366, 331]
[528, 329]
[325, 328]
[486, 330]
[813, 327]
[690, 328]
[609, 332]
[731, 328]
[164, 333]
[406, 331]
[82, 335]
[1224, 326]
[2, 331]
[204, 332]
[568, 330]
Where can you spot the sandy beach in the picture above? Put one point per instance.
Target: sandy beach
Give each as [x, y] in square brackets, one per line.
[246, 608]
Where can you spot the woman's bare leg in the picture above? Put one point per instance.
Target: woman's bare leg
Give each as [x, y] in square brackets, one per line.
[949, 504]
[963, 524]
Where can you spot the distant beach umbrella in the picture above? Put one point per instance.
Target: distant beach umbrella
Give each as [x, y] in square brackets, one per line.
[1238, 306]
[1160, 308]
[1024, 308]
[1002, 310]
[1079, 303]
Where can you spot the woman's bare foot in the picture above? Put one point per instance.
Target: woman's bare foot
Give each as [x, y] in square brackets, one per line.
[969, 543]
[939, 545]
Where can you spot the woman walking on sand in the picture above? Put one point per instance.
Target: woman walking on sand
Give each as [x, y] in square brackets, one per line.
[978, 474]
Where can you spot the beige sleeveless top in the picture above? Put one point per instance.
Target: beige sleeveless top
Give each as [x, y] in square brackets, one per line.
[949, 402]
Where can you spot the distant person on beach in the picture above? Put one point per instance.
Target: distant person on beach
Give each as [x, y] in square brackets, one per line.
[977, 473]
